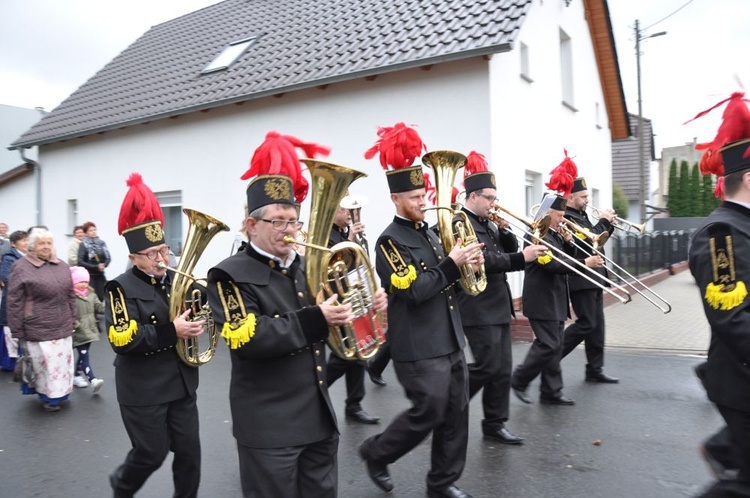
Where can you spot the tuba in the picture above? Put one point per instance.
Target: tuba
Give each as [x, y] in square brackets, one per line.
[343, 269]
[202, 228]
[445, 164]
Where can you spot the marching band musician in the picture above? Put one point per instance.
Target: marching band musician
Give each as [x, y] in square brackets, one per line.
[718, 262]
[283, 421]
[486, 316]
[545, 304]
[155, 389]
[427, 336]
[585, 296]
[354, 370]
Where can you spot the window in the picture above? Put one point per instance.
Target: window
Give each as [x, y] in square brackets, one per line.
[598, 115]
[594, 200]
[525, 72]
[533, 190]
[72, 215]
[566, 70]
[171, 206]
[230, 54]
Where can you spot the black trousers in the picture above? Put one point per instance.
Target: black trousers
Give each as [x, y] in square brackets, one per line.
[588, 328]
[491, 370]
[293, 472]
[380, 361]
[738, 423]
[543, 358]
[439, 392]
[154, 431]
[355, 380]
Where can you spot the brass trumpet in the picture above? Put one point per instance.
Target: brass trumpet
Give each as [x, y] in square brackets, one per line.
[629, 227]
[536, 230]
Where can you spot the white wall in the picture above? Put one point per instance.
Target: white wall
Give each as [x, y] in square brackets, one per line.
[205, 154]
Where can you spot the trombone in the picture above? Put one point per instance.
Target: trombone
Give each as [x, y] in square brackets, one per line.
[629, 227]
[596, 244]
[538, 230]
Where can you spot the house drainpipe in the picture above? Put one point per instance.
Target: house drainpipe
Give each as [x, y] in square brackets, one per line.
[37, 184]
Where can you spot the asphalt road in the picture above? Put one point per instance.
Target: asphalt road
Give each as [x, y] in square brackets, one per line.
[649, 426]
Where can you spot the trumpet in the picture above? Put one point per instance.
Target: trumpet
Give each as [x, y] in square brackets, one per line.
[353, 204]
[595, 246]
[629, 226]
[536, 230]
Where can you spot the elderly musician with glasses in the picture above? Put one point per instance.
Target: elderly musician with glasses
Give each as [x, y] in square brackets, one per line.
[155, 389]
[282, 417]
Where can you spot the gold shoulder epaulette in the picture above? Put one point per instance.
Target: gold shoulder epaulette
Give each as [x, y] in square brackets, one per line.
[239, 327]
[123, 329]
[402, 275]
[725, 292]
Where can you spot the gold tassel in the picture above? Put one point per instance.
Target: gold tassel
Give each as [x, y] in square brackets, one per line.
[237, 336]
[719, 299]
[405, 281]
[580, 235]
[122, 337]
[544, 259]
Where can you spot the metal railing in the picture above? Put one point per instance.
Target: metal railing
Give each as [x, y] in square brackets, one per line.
[643, 254]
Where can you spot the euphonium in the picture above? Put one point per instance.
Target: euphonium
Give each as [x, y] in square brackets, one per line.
[202, 228]
[343, 269]
[445, 164]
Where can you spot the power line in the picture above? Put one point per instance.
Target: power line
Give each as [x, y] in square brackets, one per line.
[670, 15]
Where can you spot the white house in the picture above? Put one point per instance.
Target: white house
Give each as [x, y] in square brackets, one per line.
[517, 80]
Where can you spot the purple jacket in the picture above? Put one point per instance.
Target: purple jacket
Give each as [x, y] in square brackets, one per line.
[41, 300]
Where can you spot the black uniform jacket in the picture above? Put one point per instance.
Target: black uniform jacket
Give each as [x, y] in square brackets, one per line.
[423, 318]
[278, 392]
[728, 371]
[581, 219]
[494, 306]
[545, 285]
[147, 369]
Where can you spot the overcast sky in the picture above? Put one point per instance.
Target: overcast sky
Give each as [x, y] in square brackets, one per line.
[48, 48]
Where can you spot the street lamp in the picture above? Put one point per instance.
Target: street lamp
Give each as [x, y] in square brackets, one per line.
[641, 163]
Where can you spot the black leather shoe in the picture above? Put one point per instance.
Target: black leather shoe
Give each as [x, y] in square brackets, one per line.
[522, 395]
[362, 417]
[503, 435]
[600, 377]
[556, 400]
[451, 491]
[378, 473]
[377, 379]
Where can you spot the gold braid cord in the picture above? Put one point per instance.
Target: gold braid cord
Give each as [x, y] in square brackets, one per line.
[403, 275]
[239, 327]
[123, 329]
[725, 292]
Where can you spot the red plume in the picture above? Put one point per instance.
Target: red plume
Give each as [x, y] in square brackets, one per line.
[475, 162]
[735, 126]
[277, 156]
[398, 146]
[719, 188]
[429, 189]
[454, 194]
[139, 206]
[563, 176]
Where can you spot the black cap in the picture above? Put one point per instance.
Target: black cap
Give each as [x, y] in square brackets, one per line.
[736, 156]
[478, 181]
[269, 189]
[143, 236]
[405, 180]
[579, 184]
[560, 203]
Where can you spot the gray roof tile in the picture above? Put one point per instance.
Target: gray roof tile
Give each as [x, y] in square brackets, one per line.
[300, 44]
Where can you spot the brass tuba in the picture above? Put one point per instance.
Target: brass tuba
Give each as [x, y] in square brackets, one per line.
[343, 269]
[202, 228]
[445, 164]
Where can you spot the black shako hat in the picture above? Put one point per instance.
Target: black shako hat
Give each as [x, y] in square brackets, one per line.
[479, 181]
[736, 156]
[405, 180]
[269, 189]
[578, 185]
[141, 217]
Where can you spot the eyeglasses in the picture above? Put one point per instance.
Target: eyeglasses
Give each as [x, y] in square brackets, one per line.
[490, 198]
[282, 225]
[163, 252]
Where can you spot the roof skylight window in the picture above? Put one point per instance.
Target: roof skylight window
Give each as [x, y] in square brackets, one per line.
[230, 54]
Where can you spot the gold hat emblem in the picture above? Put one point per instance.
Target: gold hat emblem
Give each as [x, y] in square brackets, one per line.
[278, 188]
[417, 178]
[154, 233]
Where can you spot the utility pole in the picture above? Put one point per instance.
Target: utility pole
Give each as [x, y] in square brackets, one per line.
[642, 185]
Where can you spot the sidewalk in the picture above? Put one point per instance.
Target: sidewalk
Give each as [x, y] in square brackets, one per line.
[639, 325]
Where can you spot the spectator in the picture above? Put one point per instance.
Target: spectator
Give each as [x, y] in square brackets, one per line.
[75, 244]
[41, 314]
[94, 256]
[4, 243]
[9, 345]
[87, 329]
